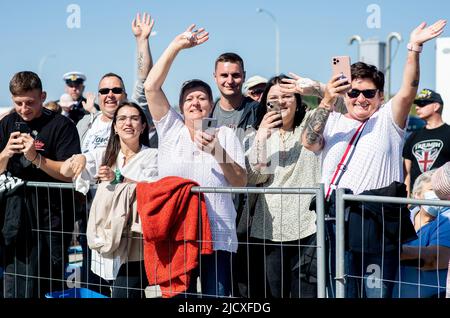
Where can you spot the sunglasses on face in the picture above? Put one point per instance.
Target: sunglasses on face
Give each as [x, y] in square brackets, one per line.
[115, 90]
[256, 92]
[368, 93]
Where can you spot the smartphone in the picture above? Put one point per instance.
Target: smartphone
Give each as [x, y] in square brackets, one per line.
[22, 127]
[274, 107]
[341, 65]
[209, 125]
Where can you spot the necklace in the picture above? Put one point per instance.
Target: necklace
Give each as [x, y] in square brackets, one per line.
[284, 137]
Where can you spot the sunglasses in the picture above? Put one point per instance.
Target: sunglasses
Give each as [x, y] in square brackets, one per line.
[256, 92]
[115, 90]
[368, 93]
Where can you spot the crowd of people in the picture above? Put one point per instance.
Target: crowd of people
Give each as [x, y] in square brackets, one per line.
[257, 133]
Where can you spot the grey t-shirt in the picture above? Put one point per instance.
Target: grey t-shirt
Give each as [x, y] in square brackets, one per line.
[229, 119]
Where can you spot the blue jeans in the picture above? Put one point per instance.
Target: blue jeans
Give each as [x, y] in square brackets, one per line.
[373, 283]
[374, 274]
[215, 276]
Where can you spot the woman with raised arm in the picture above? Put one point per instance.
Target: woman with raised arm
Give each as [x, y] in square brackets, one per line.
[212, 158]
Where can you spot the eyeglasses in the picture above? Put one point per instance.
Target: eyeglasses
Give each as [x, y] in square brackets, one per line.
[368, 93]
[256, 92]
[123, 119]
[115, 90]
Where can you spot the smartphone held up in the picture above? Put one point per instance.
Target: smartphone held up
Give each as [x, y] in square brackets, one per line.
[274, 107]
[209, 125]
[341, 65]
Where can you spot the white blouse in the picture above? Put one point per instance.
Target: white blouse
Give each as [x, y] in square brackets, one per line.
[142, 167]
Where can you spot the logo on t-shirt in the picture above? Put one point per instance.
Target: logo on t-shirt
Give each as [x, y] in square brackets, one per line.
[426, 153]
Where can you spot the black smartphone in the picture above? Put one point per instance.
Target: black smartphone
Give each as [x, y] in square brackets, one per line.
[22, 127]
[274, 107]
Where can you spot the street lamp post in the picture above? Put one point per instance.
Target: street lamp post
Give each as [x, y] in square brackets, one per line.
[43, 61]
[277, 38]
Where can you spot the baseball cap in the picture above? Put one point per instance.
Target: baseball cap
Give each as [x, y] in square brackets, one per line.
[74, 78]
[253, 81]
[66, 100]
[428, 96]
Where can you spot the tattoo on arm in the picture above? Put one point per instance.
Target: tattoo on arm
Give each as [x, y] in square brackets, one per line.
[140, 61]
[315, 126]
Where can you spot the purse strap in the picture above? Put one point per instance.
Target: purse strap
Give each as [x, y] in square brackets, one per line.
[343, 163]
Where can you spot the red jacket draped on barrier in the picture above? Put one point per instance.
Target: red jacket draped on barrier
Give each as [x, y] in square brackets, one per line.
[170, 216]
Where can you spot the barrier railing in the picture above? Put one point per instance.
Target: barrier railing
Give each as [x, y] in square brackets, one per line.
[75, 282]
[341, 198]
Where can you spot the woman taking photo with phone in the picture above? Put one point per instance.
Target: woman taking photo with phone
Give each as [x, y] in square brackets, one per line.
[211, 160]
[283, 224]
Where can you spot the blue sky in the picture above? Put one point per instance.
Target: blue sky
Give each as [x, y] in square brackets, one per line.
[35, 37]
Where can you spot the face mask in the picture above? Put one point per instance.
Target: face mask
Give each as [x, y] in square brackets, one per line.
[431, 210]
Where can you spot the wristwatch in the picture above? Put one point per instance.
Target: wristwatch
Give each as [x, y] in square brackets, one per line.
[414, 47]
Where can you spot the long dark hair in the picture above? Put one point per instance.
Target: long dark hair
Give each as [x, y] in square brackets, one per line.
[113, 147]
[300, 109]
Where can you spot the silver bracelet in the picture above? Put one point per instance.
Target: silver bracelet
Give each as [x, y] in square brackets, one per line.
[40, 161]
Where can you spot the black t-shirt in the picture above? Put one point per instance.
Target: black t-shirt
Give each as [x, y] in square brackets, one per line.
[56, 138]
[427, 149]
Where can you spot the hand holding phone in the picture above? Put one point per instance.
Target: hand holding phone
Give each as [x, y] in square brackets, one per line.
[275, 107]
[341, 66]
[209, 125]
[22, 127]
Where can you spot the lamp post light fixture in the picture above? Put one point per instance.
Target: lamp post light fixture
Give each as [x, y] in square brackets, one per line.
[277, 38]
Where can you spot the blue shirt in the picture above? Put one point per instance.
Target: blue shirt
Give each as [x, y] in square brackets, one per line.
[437, 232]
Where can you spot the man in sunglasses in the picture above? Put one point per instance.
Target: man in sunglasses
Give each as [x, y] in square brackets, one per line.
[429, 147]
[254, 87]
[362, 150]
[94, 129]
[75, 88]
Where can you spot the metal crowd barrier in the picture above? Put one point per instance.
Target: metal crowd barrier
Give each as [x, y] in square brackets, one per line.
[318, 192]
[341, 198]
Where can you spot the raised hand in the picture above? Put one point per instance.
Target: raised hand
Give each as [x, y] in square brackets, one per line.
[422, 34]
[142, 28]
[300, 85]
[88, 105]
[335, 87]
[191, 37]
